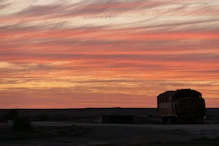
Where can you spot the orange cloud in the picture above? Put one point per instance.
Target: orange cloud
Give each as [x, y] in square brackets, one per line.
[125, 56]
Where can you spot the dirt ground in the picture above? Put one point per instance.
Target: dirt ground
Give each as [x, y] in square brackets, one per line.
[64, 134]
[124, 135]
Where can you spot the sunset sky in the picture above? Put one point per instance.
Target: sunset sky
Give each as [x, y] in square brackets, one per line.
[106, 53]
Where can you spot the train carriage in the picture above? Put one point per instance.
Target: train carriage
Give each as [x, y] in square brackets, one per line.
[180, 106]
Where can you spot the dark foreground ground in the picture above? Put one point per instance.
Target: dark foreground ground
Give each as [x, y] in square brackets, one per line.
[79, 127]
[91, 115]
[72, 134]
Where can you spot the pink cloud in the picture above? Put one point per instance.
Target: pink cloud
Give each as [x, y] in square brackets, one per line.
[44, 57]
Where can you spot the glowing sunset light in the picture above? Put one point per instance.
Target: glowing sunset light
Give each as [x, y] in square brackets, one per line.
[115, 53]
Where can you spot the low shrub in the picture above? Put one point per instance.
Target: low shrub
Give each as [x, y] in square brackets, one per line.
[3, 118]
[22, 124]
[42, 117]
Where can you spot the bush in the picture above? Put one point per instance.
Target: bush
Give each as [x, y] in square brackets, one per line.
[12, 114]
[3, 118]
[22, 124]
[41, 117]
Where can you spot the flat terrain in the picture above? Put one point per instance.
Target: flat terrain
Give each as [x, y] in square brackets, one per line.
[152, 126]
[80, 129]
[124, 135]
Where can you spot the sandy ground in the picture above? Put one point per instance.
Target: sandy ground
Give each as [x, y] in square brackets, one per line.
[153, 126]
[123, 134]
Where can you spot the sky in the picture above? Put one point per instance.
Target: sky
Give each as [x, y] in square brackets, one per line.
[106, 53]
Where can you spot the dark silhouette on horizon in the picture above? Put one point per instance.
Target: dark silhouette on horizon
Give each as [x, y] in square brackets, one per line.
[181, 106]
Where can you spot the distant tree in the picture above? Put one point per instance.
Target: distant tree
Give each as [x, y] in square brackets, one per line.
[12, 114]
[22, 124]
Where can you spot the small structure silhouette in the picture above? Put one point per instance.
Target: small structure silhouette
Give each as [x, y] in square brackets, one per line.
[11, 116]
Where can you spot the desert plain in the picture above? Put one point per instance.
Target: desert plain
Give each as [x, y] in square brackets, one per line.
[80, 127]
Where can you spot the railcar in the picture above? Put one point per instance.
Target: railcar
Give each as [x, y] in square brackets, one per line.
[181, 106]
